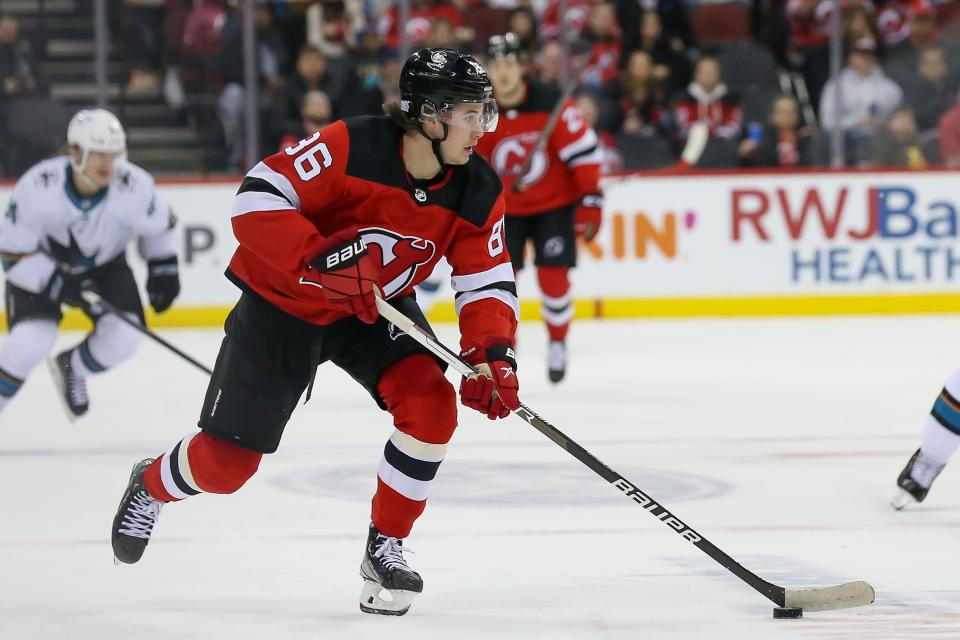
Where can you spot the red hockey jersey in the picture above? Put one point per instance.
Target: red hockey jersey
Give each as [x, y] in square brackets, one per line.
[567, 169]
[351, 175]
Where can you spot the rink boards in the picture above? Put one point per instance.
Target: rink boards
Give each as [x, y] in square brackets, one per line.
[722, 244]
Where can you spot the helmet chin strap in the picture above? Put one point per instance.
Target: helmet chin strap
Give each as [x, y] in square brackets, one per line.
[435, 143]
[79, 171]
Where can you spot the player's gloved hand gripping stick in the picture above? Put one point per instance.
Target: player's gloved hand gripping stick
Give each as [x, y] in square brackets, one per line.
[850, 594]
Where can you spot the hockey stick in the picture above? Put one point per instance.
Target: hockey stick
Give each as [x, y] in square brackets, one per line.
[842, 596]
[97, 305]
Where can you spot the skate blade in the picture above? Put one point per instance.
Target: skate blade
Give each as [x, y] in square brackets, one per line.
[59, 383]
[386, 602]
[902, 499]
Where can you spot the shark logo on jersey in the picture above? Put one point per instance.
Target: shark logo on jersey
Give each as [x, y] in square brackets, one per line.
[71, 254]
[11, 214]
[399, 256]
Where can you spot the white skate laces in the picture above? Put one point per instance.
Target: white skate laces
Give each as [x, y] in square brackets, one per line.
[140, 517]
[390, 553]
[76, 388]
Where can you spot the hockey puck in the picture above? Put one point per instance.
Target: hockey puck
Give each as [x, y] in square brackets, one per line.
[787, 613]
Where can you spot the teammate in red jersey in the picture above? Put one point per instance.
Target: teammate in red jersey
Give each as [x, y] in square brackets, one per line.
[364, 207]
[560, 197]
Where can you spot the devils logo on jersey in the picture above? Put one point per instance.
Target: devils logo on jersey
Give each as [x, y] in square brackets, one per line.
[399, 257]
[510, 154]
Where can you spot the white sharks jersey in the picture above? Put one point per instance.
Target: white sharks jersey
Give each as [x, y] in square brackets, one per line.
[48, 224]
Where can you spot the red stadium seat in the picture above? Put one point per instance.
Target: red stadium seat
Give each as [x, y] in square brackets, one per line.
[722, 23]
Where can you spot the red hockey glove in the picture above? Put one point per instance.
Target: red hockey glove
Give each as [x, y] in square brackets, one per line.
[494, 391]
[588, 216]
[347, 275]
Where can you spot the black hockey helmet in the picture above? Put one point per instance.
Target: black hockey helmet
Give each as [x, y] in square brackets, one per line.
[433, 81]
[504, 46]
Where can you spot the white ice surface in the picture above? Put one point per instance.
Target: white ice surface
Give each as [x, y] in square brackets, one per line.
[779, 440]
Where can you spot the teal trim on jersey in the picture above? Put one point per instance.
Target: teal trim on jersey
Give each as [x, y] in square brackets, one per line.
[84, 203]
[946, 413]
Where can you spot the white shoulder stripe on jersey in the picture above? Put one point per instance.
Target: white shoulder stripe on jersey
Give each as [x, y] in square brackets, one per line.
[581, 144]
[471, 281]
[278, 180]
[505, 297]
[257, 201]
[595, 156]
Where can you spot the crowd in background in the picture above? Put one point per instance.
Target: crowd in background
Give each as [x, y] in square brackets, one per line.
[757, 73]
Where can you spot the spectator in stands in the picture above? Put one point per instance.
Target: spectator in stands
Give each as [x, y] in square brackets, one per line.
[522, 22]
[422, 13]
[858, 22]
[314, 71]
[892, 18]
[334, 26]
[673, 20]
[441, 35]
[574, 20]
[590, 107]
[270, 59]
[549, 63]
[315, 113]
[16, 62]
[781, 141]
[922, 33]
[137, 25]
[707, 100]
[643, 98]
[949, 135]
[671, 67]
[603, 34]
[809, 22]
[868, 97]
[898, 143]
[930, 91]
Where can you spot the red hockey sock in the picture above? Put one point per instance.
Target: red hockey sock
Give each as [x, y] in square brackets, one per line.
[557, 305]
[424, 408]
[200, 463]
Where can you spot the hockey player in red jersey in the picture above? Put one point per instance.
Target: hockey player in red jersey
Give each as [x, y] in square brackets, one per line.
[365, 207]
[559, 197]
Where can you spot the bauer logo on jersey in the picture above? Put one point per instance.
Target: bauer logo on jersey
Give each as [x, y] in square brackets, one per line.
[510, 154]
[399, 256]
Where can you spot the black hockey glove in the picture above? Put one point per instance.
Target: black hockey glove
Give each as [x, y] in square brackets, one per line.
[68, 287]
[163, 283]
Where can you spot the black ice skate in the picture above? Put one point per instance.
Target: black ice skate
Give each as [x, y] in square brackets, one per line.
[389, 584]
[135, 519]
[71, 387]
[915, 481]
[556, 360]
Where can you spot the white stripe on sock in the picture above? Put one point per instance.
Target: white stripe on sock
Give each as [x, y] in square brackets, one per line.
[402, 483]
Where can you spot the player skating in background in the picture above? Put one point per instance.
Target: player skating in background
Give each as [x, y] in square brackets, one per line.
[66, 229]
[367, 205]
[940, 440]
[560, 195]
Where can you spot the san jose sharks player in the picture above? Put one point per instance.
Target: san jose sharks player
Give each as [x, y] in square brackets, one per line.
[365, 207]
[939, 441]
[66, 229]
